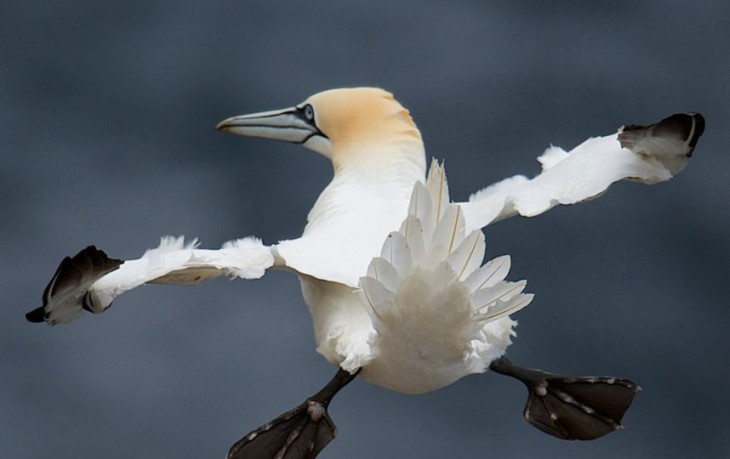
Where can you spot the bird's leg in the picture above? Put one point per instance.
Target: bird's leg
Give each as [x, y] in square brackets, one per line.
[300, 433]
[571, 408]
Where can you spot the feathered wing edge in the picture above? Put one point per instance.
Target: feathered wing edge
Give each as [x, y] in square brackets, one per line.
[647, 154]
[91, 280]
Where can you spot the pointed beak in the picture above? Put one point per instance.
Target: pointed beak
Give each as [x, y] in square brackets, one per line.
[289, 124]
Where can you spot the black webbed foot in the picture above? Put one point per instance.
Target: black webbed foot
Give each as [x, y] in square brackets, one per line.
[572, 408]
[300, 433]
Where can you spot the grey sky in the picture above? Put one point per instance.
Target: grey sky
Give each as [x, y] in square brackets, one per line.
[106, 137]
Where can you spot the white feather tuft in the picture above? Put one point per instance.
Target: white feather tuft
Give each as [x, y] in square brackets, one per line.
[551, 157]
[171, 244]
[250, 242]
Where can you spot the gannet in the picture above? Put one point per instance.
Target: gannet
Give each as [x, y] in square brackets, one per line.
[391, 269]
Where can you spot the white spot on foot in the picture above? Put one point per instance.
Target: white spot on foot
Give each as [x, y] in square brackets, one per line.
[566, 398]
[315, 410]
[541, 389]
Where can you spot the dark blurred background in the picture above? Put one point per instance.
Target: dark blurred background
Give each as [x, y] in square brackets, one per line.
[106, 137]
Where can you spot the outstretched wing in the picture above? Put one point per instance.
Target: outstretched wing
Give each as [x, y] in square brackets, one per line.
[648, 154]
[91, 280]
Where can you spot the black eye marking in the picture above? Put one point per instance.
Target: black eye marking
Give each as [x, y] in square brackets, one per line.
[308, 113]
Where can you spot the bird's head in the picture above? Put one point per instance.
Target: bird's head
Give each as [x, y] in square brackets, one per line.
[348, 126]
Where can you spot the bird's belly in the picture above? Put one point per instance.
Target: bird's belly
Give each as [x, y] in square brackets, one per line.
[346, 337]
[342, 328]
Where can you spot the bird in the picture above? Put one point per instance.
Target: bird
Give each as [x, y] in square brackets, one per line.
[391, 269]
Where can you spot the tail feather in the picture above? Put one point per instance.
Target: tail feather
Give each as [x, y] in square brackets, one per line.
[384, 272]
[438, 189]
[502, 309]
[421, 207]
[396, 252]
[468, 256]
[488, 275]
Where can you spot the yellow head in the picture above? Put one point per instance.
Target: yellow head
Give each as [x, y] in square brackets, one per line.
[349, 126]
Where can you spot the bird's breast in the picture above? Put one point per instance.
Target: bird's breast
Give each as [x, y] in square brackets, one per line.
[347, 227]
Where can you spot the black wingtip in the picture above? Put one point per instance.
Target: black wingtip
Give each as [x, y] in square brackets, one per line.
[36, 316]
[699, 128]
[686, 128]
[74, 274]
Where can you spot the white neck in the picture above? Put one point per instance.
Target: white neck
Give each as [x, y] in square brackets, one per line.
[373, 182]
[366, 200]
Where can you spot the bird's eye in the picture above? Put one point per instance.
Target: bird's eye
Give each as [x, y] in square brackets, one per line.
[309, 112]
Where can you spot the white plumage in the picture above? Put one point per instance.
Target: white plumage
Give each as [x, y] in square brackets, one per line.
[437, 315]
[177, 262]
[390, 269]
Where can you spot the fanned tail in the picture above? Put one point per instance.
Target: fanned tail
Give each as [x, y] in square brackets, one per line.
[438, 313]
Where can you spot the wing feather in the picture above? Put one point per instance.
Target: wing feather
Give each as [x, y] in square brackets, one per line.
[91, 280]
[647, 154]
